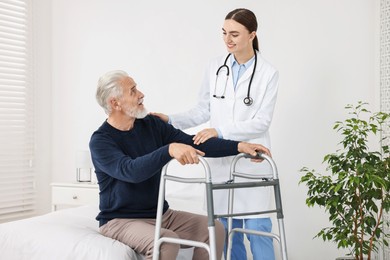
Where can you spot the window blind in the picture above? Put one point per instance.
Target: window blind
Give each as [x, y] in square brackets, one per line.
[17, 192]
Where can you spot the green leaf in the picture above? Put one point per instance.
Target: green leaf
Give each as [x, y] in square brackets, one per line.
[356, 187]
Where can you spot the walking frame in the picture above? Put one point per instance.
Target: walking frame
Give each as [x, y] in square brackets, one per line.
[260, 181]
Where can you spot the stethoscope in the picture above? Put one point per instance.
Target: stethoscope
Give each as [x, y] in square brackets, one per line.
[247, 100]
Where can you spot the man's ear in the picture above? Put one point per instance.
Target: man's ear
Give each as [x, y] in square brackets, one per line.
[115, 104]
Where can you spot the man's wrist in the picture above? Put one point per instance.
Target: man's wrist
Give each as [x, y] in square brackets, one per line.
[219, 133]
[239, 147]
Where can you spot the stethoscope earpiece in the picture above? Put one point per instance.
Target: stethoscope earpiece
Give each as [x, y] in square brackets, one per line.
[248, 100]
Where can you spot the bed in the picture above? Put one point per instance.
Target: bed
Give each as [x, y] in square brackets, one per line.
[71, 233]
[65, 234]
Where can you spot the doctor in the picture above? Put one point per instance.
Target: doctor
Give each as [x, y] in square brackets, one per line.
[237, 96]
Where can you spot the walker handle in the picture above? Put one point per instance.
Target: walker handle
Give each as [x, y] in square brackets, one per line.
[259, 155]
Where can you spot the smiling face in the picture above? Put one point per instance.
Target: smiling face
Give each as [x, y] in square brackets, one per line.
[131, 101]
[237, 37]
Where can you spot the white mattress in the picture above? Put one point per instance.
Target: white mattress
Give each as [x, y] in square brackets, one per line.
[66, 234]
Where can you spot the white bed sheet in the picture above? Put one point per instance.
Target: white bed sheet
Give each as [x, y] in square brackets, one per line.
[65, 234]
[68, 234]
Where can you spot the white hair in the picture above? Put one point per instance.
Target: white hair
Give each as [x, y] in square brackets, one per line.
[109, 87]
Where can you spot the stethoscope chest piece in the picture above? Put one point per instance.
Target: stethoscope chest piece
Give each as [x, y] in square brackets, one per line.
[248, 101]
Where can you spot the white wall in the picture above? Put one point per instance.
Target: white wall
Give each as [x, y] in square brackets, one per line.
[41, 11]
[325, 52]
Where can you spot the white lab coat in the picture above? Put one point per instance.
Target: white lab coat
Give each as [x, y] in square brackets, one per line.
[239, 122]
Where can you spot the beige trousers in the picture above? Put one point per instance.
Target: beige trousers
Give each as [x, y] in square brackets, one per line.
[139, 234]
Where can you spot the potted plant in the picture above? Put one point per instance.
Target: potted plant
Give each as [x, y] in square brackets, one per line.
[355, 192]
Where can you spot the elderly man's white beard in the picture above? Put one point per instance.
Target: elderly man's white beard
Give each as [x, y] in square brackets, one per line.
[139, 114]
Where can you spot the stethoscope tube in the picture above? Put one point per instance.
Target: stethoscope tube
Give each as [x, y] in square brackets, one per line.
[227, 77]
[247, 100]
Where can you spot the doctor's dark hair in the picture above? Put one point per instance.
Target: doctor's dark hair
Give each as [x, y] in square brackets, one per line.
[109, 87]
[248, 19]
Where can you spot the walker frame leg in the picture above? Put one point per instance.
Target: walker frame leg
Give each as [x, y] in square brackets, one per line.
[158, 240]
[281, 238]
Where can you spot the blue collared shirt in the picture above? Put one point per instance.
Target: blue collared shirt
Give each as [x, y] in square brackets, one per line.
[239, 69]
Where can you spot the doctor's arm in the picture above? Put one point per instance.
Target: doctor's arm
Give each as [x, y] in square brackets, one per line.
[197, 115]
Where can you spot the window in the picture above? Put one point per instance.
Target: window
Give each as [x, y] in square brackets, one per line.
[17, 192]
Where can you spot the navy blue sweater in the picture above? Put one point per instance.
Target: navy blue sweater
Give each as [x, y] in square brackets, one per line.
[128, 165]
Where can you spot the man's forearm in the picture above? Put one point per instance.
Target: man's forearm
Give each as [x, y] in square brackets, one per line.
[216, 147]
